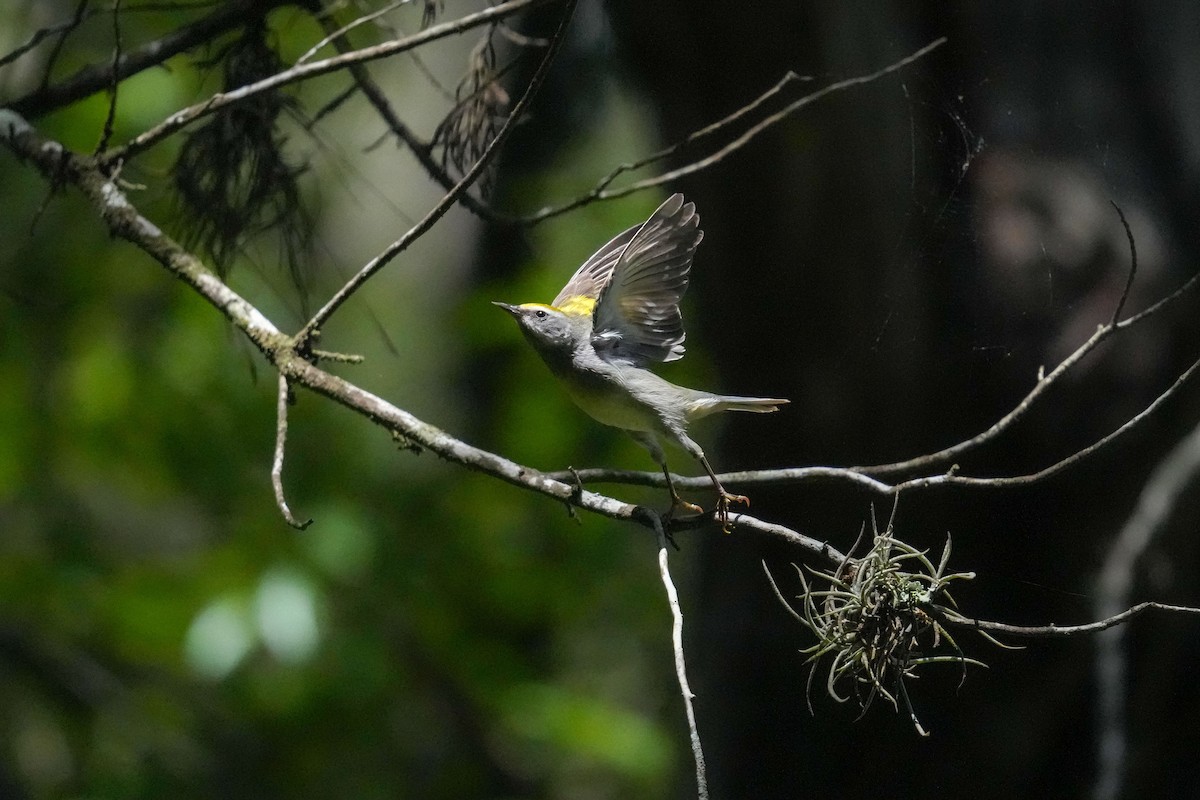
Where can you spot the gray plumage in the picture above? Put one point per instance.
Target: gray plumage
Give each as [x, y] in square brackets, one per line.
[619, 313]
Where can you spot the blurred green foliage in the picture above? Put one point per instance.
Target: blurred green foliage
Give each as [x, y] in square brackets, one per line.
[435, 633]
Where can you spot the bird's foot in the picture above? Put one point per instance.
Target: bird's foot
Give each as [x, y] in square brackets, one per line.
[724, 499]
[679, 504]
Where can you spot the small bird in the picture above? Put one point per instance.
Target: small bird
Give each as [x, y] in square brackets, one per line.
[620, 313]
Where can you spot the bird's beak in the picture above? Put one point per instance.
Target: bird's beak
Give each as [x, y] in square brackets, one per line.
[516, 312]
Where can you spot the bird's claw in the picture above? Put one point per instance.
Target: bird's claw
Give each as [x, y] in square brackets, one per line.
[724, 500]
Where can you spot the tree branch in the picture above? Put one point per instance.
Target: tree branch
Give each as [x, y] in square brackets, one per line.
[59, 165]
[281, 429]
[869, 477]
[685, 689]
[1060, 631]
[376, 97]
[857, 476]
[185, 117]
[601, 191]
[448, 200]
[98, 77]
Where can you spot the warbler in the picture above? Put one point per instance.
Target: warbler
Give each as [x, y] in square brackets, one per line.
[620, 313]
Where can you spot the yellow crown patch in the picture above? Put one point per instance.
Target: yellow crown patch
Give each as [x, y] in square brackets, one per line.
[579, 305]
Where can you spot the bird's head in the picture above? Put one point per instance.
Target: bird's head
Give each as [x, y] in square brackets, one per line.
[550, 328]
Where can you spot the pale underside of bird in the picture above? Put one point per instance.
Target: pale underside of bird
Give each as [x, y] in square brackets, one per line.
[618, 314]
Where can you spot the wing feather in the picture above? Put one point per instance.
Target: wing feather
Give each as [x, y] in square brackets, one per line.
[637, 319]
[591, 278]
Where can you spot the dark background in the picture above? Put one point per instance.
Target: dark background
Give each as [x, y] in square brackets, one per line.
[899, 259]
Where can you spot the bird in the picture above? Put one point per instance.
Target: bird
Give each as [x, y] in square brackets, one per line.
[618, 314]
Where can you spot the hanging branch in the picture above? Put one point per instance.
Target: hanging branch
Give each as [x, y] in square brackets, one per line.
[282, 401]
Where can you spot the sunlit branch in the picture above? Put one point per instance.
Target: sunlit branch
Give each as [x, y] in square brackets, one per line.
[1045, 381]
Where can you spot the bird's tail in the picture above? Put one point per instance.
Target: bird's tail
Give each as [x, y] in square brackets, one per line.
[715, 403]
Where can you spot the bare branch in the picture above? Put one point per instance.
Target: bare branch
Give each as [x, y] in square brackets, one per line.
[602, 192]
[98, 77]
[376, 97]
[448, 200]
[111, 117]
[185, 117]
[1116, 317]
[56, 51]
[685, 690]
[1060, 631]
[856, 476]
[340, 33]
[44, 33]
[56, 163]
[953, 479]
[1044, 381]
[281, 428]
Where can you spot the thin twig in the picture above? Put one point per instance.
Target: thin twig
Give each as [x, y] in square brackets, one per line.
[181, 119]
[855, 476]
[97, 77]
[419, 148]
[281, 429]
[36, 39]
[111, 118]
[448, 200]
[685, 690]
[349, 26]
[953, 479]
[76, 19]
[602, 192]
[1116, 317]
[1045, 381]
[520, 39]
[1188, 285]
[1060, 631]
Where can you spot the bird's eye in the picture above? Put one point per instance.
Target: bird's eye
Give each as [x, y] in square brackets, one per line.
[540, 314]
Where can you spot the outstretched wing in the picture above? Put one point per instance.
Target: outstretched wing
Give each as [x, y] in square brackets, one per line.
[590, 279]
[637, 318]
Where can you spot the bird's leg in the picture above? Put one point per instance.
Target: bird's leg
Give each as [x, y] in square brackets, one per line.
[650, 442]
[724, 498]
[676, 500]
